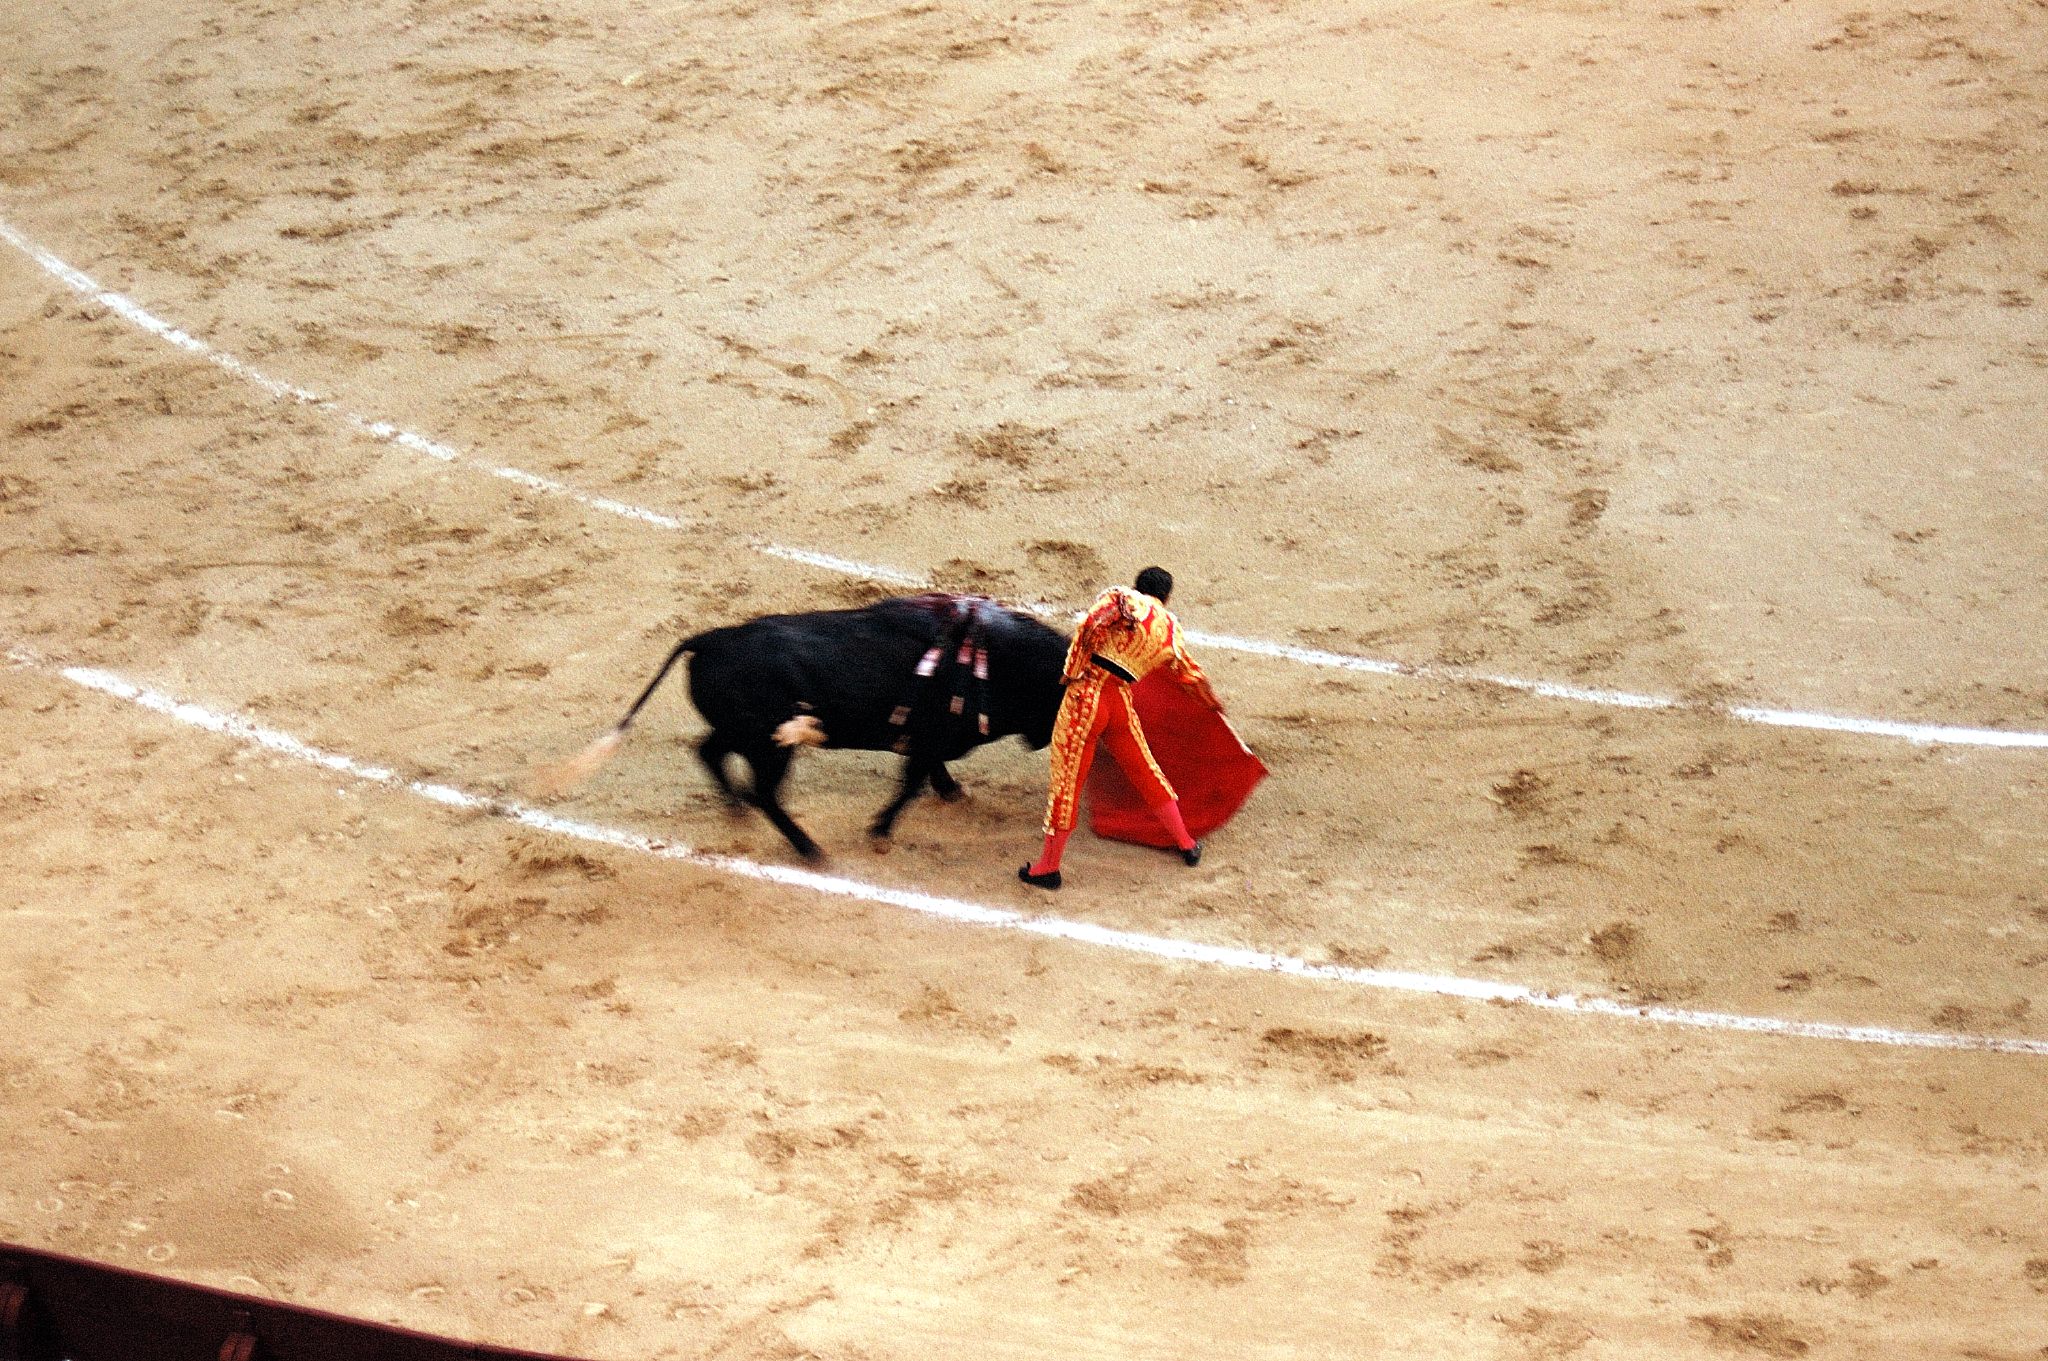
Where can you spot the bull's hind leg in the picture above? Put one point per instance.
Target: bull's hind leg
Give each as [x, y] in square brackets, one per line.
[713, 751]
[770, 763]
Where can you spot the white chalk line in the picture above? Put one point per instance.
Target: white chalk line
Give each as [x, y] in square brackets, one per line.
[250, 733]
[133, 312]
[129, 310]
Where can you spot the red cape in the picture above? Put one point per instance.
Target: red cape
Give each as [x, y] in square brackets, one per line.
[1207, 762]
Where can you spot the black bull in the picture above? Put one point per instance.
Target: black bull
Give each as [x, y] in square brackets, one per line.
[850, 678]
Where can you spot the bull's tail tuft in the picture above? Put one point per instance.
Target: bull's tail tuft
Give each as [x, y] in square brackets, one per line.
[563, 776]
[552, 781]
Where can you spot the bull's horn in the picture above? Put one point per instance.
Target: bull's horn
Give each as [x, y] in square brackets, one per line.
[561, 777]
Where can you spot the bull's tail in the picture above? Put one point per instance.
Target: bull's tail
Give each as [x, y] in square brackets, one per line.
[563, 776]
[558, 778]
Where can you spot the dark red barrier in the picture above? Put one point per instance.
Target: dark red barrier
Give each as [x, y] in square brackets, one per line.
[58, 1308]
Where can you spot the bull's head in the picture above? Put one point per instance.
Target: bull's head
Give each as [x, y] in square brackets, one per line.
[1042, 655]
[1037, 733]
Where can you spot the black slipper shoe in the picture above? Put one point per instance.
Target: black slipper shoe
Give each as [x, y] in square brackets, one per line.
[1193, 854]
[1049, 879]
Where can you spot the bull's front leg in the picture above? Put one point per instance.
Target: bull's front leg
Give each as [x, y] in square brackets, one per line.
[916, 770]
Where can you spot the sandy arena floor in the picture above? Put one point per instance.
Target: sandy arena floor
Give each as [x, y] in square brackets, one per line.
[1686, 349]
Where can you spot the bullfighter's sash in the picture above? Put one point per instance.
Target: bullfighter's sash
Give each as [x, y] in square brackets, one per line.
[1196, 748]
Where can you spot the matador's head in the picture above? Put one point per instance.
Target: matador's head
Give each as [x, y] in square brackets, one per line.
[1156, 582]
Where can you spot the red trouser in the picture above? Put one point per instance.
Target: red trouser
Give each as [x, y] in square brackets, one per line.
[1097, 707]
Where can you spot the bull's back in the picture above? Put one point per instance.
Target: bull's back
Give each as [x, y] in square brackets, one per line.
[847, 668]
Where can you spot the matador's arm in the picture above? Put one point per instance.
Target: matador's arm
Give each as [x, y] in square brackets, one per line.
[1191, 675]
[1078, 653]
[1108, 610]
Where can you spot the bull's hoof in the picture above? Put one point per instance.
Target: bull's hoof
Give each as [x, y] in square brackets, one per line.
[954, 795]
[881, 845]
[1049, 879]
[814, 856]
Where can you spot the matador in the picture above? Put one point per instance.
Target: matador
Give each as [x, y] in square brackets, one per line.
[1126, 635]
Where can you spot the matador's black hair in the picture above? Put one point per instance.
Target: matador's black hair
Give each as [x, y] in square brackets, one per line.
[1156, 582]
